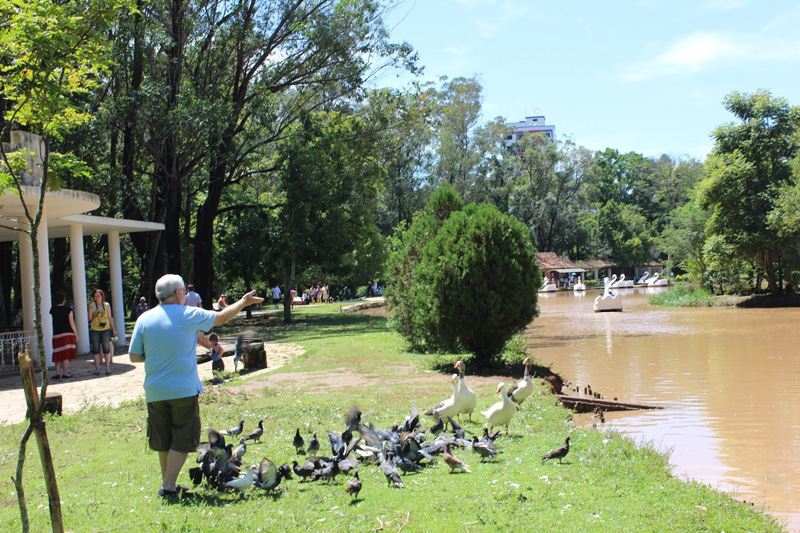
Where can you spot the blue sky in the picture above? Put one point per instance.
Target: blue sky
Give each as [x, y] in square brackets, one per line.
[646, 76]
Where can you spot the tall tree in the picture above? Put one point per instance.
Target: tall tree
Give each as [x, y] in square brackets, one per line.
[206, 90]
[459, 109]
[403, 122]
[684, 239]
[548, 192]
[330, 178]
[51, 53]
[749, 165]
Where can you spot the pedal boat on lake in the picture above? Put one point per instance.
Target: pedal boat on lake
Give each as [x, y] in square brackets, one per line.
[608, 301]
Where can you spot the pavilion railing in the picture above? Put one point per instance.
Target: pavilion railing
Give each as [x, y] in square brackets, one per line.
[12, 343]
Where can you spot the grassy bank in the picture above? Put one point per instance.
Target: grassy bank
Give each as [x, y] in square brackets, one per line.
[108, 478]
[683, 295]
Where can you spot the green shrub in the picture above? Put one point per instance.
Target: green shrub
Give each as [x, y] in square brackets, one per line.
[404, 260]
[515, 350]
[681, 295]
[475, 286]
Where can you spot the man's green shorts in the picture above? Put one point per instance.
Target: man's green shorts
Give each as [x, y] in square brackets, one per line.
[174, 425]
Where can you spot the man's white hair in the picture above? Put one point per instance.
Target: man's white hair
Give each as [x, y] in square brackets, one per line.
[167, 285]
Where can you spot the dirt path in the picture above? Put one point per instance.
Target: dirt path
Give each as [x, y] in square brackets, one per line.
[124, 384]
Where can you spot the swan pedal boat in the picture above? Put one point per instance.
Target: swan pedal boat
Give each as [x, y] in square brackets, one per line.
[608, 301]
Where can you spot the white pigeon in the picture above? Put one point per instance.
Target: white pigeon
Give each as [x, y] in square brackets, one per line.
[243, 483]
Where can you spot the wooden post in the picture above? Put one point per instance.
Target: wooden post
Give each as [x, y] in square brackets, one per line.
[39, 429]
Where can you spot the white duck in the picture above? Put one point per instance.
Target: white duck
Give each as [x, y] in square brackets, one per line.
[466, 395]
[522, 389]
[448, 408]
[501, 413]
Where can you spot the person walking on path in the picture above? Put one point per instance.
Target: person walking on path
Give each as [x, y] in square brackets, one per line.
[276, 295]
[165, 339]
[101, 328]
[65, 336]
[192, 298]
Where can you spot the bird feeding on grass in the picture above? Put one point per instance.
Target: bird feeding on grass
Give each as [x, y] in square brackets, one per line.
[559, 453]
[242, 483]
[235, 430]
[354, 485]
[454, 462]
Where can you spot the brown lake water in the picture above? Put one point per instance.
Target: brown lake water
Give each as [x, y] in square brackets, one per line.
[729, 379]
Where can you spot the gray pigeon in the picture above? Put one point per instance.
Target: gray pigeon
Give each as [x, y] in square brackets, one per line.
[240, 347]
[238, 452]
[235, 430]
[353, 486]
[255, 435]
[559, 453]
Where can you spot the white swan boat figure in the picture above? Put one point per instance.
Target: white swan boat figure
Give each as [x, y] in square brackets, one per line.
[608, 301]
[657, 281]
[548, 286]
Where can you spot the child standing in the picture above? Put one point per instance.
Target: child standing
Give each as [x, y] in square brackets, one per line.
[216, 353]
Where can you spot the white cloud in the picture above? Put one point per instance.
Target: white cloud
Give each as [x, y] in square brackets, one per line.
[692, 52]
[724, 5]
[701, 50]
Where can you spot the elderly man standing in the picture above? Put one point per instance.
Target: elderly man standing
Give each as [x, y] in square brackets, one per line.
[165, 338]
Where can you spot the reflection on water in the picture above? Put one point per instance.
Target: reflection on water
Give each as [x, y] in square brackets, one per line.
[730, 379]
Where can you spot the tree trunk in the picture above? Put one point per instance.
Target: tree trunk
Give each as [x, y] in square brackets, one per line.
[206, 216]
[35, 407]
[288, 268]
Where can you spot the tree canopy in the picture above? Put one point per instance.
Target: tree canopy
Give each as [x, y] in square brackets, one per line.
[747, 170]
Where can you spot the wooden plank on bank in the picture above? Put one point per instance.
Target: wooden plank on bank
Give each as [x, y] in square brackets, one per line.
[580, 404]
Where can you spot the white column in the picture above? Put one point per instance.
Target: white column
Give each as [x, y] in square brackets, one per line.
[115, 272]
[44, 289]
[26, 281]
[80, 312]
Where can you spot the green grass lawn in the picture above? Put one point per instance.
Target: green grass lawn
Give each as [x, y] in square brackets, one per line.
[108, 478]
[683, 295]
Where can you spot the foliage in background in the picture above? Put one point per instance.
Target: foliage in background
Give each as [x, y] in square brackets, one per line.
[626, 233]
[684, 239]
[330, 178]
[550, 183]
[747, 170]
[51, 55]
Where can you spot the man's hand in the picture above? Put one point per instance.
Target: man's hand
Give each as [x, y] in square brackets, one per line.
[225, 315]
[250, 298]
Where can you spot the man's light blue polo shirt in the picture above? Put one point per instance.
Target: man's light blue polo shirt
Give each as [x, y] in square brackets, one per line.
[167, 336]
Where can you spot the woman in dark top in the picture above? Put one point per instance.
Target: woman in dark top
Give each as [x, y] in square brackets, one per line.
[65, 336]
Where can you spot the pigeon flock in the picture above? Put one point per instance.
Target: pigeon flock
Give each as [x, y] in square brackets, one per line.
[404, 448]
